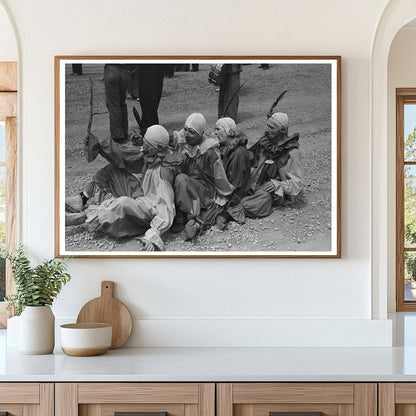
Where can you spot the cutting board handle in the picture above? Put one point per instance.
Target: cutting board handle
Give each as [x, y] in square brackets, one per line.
[107, 289]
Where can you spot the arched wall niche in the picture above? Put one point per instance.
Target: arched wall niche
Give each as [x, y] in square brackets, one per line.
[396, 15]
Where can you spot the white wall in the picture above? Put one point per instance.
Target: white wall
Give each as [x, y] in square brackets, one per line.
[401, 74]
[8, 46]
[203, 302]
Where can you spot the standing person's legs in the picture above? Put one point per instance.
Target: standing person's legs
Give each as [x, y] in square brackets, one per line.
[228, 99]
[150, 92]
[116, 82]
[133, 88]
[77, 69]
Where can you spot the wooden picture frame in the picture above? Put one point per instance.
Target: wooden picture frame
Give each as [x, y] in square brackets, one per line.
[300, 223]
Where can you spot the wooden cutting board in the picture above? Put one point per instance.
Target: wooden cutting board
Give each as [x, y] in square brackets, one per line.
[108, 310]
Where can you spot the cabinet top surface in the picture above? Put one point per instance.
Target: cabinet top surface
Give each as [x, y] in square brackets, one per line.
[214, 364]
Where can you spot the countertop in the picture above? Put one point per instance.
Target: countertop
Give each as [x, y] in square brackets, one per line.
[215, 364]
[222, 364]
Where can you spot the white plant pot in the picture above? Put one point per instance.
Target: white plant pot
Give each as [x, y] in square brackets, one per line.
[37, 330]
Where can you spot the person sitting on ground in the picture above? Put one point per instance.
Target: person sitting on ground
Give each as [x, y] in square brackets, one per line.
[202, 188]
[121, 177]
[149, 215]
[277, 176]
[234, 154]
[277, 161]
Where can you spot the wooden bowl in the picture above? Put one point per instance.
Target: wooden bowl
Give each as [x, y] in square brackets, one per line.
[84, 340]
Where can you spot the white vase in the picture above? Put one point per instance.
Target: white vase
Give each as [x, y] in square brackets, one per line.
[37, 330]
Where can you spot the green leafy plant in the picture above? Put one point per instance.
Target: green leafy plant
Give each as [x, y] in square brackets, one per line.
[35, 286]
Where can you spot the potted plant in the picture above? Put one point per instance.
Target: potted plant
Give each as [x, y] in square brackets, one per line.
[36, 289]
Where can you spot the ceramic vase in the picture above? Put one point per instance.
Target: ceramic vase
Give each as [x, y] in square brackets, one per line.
[37, 330]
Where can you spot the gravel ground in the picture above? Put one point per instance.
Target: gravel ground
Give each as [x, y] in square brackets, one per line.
[303, 227]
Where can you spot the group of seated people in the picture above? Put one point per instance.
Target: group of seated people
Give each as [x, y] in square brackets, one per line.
[188, 182]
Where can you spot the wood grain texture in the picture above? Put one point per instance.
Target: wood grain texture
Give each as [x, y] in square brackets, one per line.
[8, 76]
[13, 409]
[339, 154]
[47, 399]
[110, 409]
[346, 410]
[66, 399]
[224, 402]
[109, 310]
[8, 105]
[11, 196]
[405, 393]
[190, 410]
[57, 168]
[11, 207]
[365, 399]
[386, 399]
[399, 203]
[84, 352]
[207, 399]
[244, 410]
[293, 393]
[90, 410]
[138, 393]
[405, 410]
[27, 393]
[263, 409]
[31, 410]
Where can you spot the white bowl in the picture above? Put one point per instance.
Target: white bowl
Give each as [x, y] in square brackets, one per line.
[83, 340]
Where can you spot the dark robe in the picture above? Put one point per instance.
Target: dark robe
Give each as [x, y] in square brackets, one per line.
[236, 161]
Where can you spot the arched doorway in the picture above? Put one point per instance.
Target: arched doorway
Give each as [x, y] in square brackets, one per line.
[396, 15]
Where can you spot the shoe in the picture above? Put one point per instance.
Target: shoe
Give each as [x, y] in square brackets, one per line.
[74, 203]
[91, 147]
[191, 230]
[75, 218]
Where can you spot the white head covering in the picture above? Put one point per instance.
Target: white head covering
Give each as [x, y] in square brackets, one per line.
[196, 122]
[227, 123]
[280, 120]
[156, 136]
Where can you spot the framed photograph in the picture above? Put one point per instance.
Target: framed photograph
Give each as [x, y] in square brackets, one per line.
[172, 156]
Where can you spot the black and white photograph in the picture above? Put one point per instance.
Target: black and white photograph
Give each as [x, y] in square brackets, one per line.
[198, 156]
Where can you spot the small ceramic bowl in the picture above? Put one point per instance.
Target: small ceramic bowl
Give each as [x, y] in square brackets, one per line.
[83, 340]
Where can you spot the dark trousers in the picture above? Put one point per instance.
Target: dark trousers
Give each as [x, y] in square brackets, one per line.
[77, 69]
[227, 104]
[116, 81]
[150, 92]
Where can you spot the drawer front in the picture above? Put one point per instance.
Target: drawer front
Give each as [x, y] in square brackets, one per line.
[297, 399]
[397, 399]
[144, 399]
[22, 399]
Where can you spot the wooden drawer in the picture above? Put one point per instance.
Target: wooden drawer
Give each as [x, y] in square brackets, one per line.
[27, 399]
[104, 399]
[397, 399]
[332, 399]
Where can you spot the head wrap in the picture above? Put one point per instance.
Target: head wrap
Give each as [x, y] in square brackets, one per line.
[280, 120]
[196, 122]
[156, 137]
[228, 124]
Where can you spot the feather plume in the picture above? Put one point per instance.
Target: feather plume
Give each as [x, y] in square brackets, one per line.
[269, 114]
